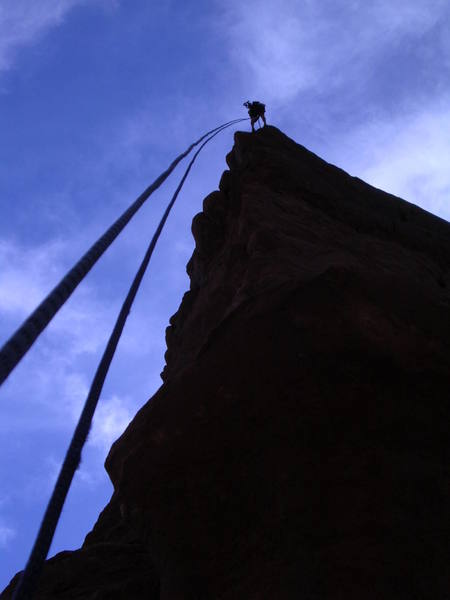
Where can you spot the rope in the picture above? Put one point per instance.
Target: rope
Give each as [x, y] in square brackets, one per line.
[31, 574]
[22, 340]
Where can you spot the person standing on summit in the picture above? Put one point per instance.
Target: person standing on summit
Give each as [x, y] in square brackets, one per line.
[256, 110]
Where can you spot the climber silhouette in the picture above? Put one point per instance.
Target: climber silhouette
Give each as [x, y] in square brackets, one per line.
[256, 111]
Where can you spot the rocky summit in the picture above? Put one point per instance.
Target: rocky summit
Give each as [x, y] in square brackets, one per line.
[298, 447]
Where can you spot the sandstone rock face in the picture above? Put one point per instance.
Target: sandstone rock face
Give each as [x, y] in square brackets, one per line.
[298, 447]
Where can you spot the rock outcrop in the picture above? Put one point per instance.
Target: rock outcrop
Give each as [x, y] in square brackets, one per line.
[298, 447]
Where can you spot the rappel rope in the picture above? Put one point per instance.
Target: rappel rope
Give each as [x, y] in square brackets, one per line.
[22, 340]
[29, 579]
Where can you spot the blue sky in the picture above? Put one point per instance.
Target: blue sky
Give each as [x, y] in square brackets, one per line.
[96, 99]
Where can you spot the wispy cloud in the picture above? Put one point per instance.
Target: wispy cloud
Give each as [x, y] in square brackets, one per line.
[283, 48]
[7, 532]
[55, 367]
[52, 383]
[22, 22]
[28, 273]
[407, 156]
[43, 480]
[111, 419]
[6, 535]
[25, 274]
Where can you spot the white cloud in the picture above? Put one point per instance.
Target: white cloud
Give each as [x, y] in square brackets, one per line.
[27, 275]
[6, 535]
[403, 16]
[40, 481]
[408, 156]
[283, 47]
[110, 420]
[24, 21]
[75, 391]
[55, 367]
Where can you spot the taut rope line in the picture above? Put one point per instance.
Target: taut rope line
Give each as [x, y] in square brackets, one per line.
[29, 579]
[22, 340]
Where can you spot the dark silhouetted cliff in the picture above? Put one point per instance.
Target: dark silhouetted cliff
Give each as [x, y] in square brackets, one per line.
[298, 447]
